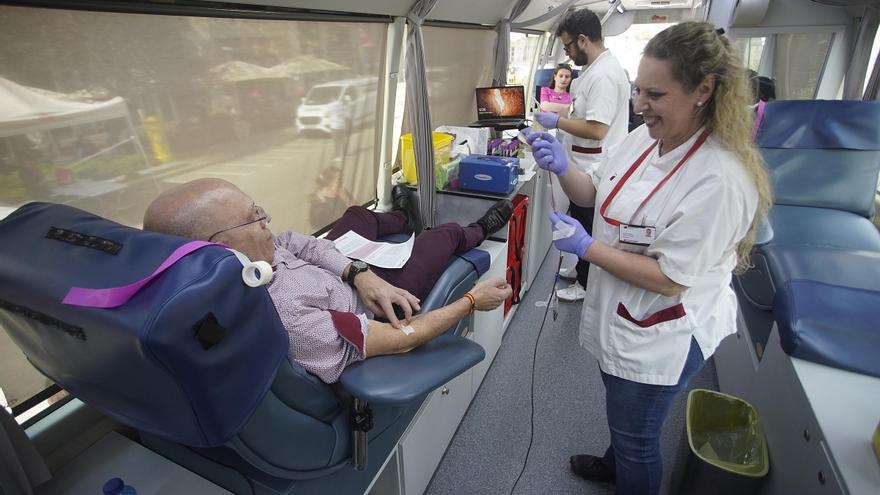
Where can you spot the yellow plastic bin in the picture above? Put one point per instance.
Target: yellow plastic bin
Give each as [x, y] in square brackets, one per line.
[728, 451]
[442, 150]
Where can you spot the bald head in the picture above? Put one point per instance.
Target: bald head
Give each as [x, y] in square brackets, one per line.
[195, 210]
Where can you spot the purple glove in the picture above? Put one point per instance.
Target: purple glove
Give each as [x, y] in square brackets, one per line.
[548, 152]
[577, 243]
[547, 119]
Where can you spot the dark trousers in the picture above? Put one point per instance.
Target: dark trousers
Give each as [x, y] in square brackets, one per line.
[636, 412]
[585, 217]
[431, 251]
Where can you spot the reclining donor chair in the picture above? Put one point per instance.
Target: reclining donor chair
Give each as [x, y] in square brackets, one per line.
[195, 360]
[808, 347]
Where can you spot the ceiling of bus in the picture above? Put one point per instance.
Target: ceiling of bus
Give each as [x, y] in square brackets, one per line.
[486, 12]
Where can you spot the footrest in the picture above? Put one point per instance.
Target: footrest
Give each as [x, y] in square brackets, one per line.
[830, 324]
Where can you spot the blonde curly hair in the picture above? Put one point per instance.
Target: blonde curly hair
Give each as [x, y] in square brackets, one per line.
[697, 50]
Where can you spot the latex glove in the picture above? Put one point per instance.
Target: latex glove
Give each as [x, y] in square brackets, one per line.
[547, 119]
[378, 295]
[578, 242]
[548, 152]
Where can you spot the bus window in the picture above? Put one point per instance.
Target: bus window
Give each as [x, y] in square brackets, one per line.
[872, 60]
[159, 100]
[523, 48]
[628, 46]
[798, 63]
[751, 50]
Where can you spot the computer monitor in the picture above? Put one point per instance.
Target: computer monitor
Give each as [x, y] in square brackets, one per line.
[501, 103]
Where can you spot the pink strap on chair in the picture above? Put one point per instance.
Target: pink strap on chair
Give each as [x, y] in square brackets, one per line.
[117, 296]
[758, 119]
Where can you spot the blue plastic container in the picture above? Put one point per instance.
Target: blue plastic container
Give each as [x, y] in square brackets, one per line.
[486, 173]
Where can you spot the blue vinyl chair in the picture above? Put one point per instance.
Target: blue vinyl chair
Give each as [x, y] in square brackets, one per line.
[195, 361]
[823, 158]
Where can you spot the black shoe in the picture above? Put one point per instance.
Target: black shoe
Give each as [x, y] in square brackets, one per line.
[591, 468]
[405, 201]
[496, 217]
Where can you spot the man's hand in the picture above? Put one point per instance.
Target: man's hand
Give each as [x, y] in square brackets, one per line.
[547, 119]
[489, 294]
[378, 295]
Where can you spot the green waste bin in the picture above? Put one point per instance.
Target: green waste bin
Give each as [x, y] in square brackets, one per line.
[728, 451]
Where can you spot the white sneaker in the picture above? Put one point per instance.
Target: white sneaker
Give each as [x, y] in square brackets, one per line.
[572, 293]
[568, 273]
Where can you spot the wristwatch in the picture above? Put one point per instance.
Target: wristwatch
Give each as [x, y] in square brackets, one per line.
[356, 267]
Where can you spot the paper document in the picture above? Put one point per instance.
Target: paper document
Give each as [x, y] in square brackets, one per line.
[381, 254]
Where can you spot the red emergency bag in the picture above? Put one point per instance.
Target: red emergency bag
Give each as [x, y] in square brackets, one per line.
[516, 248]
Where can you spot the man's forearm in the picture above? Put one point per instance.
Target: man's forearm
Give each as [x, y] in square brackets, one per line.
[578, 186]
[587, 129]
[385, 339]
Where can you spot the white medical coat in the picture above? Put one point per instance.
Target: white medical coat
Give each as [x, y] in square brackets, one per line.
[700, 215]
[600, 93]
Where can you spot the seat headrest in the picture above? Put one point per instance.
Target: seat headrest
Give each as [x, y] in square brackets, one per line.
[821, 124]
[188, 357]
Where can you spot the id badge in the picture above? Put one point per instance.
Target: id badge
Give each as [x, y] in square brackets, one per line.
[637, 234]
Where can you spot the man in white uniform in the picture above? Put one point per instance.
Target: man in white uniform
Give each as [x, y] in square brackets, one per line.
[600, 117]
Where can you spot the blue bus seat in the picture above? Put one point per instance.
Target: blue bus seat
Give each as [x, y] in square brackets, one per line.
[822, 153]
[824, 160]
[196, 360]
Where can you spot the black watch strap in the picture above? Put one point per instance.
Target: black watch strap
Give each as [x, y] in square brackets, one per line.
[354, 269]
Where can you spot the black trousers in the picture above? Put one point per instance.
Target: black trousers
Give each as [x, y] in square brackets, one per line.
[585, 217]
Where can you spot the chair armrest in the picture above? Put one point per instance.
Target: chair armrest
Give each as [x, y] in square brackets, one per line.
[404, 378]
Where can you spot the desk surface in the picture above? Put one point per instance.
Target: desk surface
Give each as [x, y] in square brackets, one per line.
[847, 406]
[115, 456]
[464, 207]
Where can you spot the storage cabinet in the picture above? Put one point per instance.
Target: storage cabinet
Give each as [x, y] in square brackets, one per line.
[425, 442]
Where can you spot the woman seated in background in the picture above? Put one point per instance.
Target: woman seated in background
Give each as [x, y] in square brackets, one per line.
[556, 98]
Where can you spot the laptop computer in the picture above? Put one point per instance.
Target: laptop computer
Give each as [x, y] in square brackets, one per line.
[500, 106]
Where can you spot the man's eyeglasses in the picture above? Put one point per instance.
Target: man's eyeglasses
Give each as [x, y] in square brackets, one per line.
[566, 45]
[261, 215]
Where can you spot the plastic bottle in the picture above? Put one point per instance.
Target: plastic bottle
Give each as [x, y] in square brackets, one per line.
[115, 486]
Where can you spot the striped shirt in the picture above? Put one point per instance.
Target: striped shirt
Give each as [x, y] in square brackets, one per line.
[316, 306]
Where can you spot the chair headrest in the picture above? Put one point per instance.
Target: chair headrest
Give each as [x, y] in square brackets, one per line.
[188, 357]
[821, 124]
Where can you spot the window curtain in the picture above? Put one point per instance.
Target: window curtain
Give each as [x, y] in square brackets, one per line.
[419, 110]
[502, 43]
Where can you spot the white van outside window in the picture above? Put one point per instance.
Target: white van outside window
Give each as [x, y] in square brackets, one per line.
[338, 106]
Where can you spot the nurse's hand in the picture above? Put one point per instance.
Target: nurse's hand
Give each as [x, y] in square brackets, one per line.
[548, 152]
[547, 119]
[578, 242]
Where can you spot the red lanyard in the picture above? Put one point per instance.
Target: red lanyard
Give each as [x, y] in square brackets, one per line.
[635, 165]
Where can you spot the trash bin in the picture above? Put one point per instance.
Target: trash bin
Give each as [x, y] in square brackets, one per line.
[728, 451]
